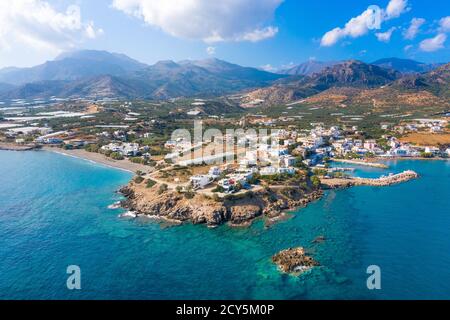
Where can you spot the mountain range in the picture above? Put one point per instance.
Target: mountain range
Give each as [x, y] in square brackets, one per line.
[406, 65]
[101, 74]
[356, 83]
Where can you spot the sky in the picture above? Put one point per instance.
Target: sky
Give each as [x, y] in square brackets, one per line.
[269, 34]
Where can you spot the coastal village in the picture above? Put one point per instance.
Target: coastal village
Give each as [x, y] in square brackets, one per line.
[319, 154]
[178, 179]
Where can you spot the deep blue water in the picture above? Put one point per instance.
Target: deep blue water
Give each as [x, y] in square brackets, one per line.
[53, 213]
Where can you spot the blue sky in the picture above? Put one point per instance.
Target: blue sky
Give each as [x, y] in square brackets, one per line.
[270, 33]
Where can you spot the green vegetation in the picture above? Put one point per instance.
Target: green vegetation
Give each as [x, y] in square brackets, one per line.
[138, 179]
[138, 160]
[315, 182]
[189, 193]
[116, 156]
[162, 188]
[92, 148]
[218, 189]
[150, 183]
[320, 172]
[426, 155]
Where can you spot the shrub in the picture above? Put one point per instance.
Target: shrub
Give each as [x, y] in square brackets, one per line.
[162, 188]
[138, 179]
[139, 173]
[138, 160]
[116, 156]
[426, 155]
[218, 189]
[92, 148]
[189, 194]
[150, 183]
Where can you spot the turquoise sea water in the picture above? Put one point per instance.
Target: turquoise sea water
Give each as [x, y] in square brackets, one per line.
[53, 213]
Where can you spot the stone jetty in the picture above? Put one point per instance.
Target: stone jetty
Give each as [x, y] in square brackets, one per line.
[380, 182]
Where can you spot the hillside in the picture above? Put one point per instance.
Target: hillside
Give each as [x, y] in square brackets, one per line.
[350, 73]
[4, 87]
[412, 91]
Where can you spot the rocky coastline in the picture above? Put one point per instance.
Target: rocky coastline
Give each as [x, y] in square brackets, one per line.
[235, 211]
[18, 147]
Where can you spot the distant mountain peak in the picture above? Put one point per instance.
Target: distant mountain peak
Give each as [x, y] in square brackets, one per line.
[308, 68]
[74, 65]
[406, 65]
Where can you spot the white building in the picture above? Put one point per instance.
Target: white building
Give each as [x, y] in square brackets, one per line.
[200, 181]
[288, 161]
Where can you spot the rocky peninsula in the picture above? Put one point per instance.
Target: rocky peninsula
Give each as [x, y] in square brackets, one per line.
[240, 210]
[5, 146]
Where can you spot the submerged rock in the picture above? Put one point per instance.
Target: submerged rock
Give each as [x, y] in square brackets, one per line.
[319, 239]
[294, 260]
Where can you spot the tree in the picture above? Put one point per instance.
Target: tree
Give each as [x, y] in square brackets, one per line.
[315, 181]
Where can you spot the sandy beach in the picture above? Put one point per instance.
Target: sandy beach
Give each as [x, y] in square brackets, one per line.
[125, 165]
[362, 163]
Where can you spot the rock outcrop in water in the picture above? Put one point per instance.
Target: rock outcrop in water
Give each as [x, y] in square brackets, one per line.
[294, 260]
[241, 210]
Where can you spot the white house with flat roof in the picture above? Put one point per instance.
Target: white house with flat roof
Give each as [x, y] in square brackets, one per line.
[201, 181]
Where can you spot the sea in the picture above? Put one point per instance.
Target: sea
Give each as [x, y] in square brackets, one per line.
[54, 214]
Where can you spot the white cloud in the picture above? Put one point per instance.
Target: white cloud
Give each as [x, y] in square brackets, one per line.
[259, 34]
[385, 36]
[414, 28]
[445, 24]
[395, 8]
[408, 47]
[210, 21]
[433, 44]
[35, 24]
[211, 51]
[371, 19]
[268, 68]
